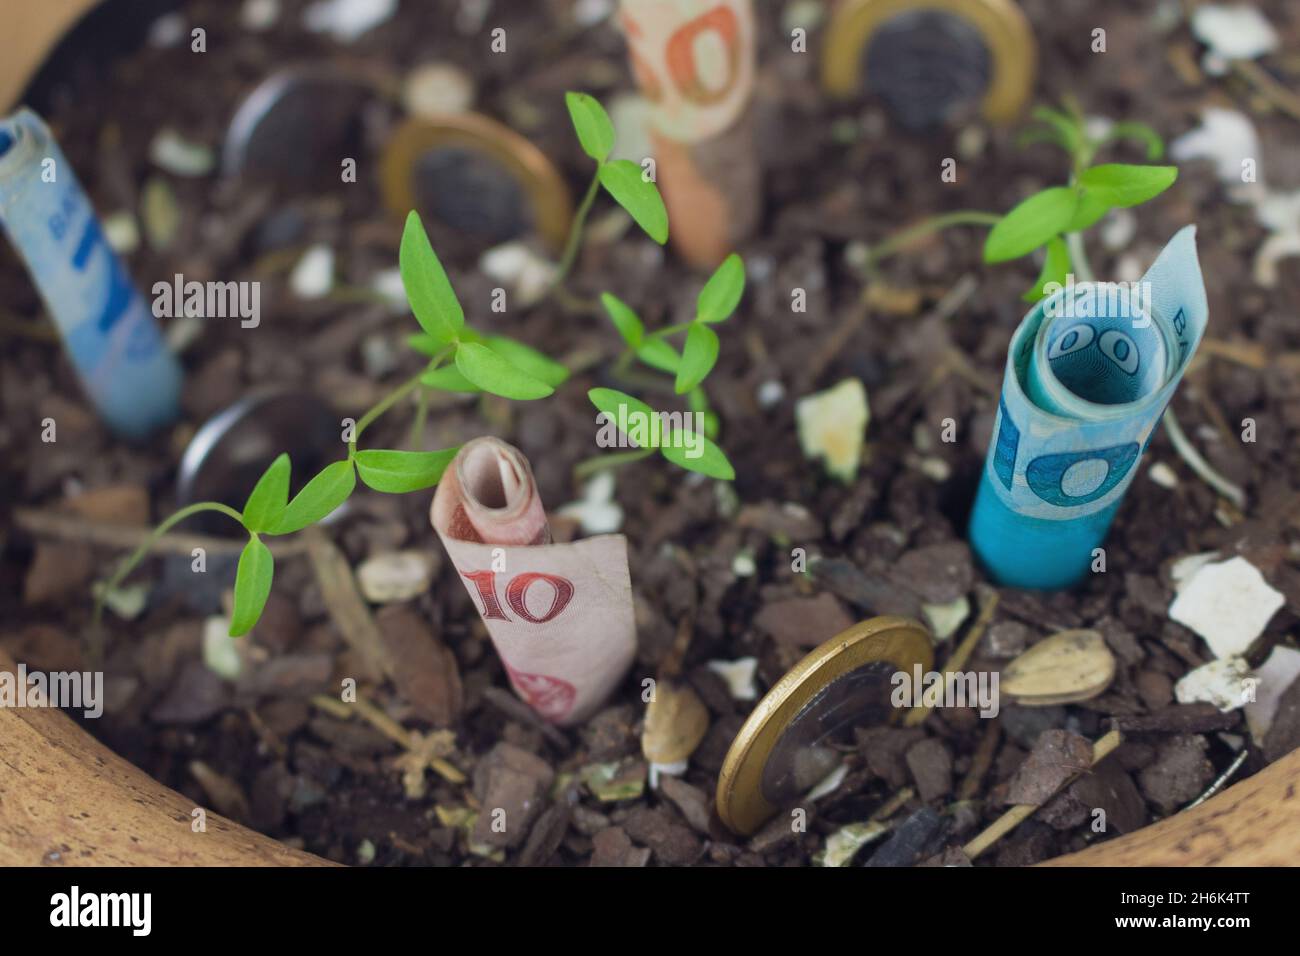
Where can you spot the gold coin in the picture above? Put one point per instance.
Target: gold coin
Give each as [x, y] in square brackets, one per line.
[787, 744]
[477, 176]
[932, 55]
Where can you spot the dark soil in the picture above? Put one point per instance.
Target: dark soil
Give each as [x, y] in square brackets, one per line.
[836, 174]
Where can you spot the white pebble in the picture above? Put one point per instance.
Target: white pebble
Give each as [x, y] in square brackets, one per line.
[379, 354]
[517, 265]
[743, 564]
[770, 393]
[313, 276]
[1228, 603]
[588, 13]
[1118, 229]
[1221, 683]
[739, 675]
[167, 31]
[944, 619]
[220, 650]
[122, 232]
[1185, 568]
[396, 576]
[1274, 677]
[1163, 475]
[173, 153]
[832, 426]
[595, 517]
[388, 284]
[1236, 32]
[347, 20]
[259, 15]
[437, 89]
[934, 468]
[1225, 137]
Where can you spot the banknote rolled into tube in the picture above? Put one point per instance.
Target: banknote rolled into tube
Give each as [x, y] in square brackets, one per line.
[1089, 374]
[107, 327]
[560, 615]
[695, 61]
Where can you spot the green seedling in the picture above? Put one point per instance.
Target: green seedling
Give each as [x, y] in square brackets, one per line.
[458, 359]
[623, 179]
[1054, 219]
[689, 367]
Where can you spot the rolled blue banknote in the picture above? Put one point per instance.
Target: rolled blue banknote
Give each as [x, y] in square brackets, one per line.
[1089, 373]
[107, 327]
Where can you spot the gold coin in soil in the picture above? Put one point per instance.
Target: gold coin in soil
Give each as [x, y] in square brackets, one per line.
[931, 61]
[476, 176]
[788, 744]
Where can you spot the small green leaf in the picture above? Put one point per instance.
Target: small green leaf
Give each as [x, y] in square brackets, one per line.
[1090, 209]
[448, 379]
[1056, 266]
[427, 287]
[329, 489]
[1120, 184]
[629, 325]
[528, 360]
[698, 357]
[721, 294]
[397, 472]
[622, 179]
[269, 496]
[620, 407]
[592, 124]
[694, 452]
[252, 586]
[1138, 132]
[425, 344]
[492, 373]
[1031, 223]
[659, 354]
[1065, 128]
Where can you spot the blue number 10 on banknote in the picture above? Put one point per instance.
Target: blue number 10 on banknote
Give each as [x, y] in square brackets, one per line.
[106, 325]
[1089, 374]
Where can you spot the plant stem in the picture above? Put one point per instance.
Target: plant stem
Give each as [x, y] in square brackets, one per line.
[1079, 256]
[899, 241]
[391, 399]
[136, 556]
[598, 463]
[574, 241]
[421, 410]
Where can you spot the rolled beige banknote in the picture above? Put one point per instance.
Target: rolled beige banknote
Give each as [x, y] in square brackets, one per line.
[560, 615]
[694, 61]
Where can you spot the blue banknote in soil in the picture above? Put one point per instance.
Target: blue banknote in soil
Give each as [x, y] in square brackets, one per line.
[107, 326]
[1089, 374]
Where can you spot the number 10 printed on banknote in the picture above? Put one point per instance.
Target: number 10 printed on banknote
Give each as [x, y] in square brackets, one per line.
[1089, 374]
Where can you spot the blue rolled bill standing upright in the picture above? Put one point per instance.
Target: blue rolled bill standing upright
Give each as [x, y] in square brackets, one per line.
[107, 327]
[1089, 374]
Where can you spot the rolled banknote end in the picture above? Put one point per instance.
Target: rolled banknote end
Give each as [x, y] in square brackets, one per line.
[695, 62]
[1089, 373]
[560, 615]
